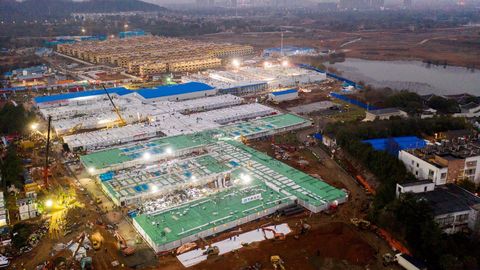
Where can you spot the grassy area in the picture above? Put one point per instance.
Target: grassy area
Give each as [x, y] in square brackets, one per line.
[349, 113]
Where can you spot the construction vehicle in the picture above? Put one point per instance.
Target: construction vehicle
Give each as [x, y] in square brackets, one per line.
[211, 251]
[120, 122]
[244, 139]
[361, 223]
[277, 262]
[122, 245]
[97, 240]
[276, 236]
[388, 259]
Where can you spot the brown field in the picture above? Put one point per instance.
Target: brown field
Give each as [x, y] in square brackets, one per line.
[457, 46]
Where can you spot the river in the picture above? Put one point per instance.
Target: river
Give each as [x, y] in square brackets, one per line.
[412, 75]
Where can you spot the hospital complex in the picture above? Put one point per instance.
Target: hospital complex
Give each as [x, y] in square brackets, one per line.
[178, 155]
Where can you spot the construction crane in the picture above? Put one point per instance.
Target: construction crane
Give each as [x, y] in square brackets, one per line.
[47, 152]
[120, 121]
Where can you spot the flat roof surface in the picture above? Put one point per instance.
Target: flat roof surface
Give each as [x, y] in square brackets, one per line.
[226, 206]
[113, 156]
[172, 90]
[449, 198]
[284, 92]
[209, 212]
[385, 111]
[117, 90]
[303, 186]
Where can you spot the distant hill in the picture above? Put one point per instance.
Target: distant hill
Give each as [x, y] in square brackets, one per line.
[52, 9]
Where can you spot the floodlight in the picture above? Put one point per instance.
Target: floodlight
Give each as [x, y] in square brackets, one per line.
[236, 63]
[146, 156]
[49, 203]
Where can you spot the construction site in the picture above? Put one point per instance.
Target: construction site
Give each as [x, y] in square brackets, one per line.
[203, 169]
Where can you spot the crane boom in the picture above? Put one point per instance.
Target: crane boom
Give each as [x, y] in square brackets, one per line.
[117, 111]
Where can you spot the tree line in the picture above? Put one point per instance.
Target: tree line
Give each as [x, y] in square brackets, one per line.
[406, 217]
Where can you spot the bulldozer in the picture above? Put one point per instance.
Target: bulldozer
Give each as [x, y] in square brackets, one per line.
[277, 262]
[211, 251]
[361, 223]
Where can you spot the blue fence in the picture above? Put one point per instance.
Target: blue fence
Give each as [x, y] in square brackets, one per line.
[395, 144]
[353, 101]
[332, 75]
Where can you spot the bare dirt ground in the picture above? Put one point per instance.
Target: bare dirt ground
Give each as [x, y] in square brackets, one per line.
[457, 46]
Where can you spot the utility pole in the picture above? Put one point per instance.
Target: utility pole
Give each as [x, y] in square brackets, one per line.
[281, 42]
[47, 151]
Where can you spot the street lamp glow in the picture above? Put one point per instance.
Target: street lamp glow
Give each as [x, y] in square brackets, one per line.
[125, 25]
[194, 178]
[49, 203]
[285, 63]
[154, 188]
[34, 126]
[83, 30]
[266, 64]
[245, 178]
[169, 151]
[236, 63]
[91, 170]
[147, 155]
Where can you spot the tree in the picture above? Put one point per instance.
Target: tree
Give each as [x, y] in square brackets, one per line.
[11, 168]
[467, 185]
[14, 119]
[443, 105]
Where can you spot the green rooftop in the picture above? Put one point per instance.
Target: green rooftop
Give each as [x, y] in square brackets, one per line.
[312, 190]
[113, 156]
[209, 212]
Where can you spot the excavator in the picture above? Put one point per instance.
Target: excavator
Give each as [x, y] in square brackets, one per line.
[277, 262]
[276, 236]
[361, 223]
[211, 251]
[120, 122]
[122, 245]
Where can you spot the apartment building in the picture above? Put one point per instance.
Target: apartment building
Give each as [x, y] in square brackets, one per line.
[148, 55]
[446, 163]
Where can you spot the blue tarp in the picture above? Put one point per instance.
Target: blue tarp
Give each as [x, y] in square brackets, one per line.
[317, 136]
[395, 144]
[284, 92]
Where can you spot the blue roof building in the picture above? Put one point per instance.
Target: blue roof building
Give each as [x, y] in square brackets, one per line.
[177, 91]
[164, 92]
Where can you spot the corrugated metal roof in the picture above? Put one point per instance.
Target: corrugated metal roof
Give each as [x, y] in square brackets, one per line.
[173, 90]
[117, 90]
[284, 92]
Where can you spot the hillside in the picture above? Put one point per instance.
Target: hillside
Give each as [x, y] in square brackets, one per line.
[53, 9]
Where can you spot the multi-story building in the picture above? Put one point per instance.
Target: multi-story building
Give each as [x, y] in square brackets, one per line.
[148, 55]
[445, 163]
[454, 208]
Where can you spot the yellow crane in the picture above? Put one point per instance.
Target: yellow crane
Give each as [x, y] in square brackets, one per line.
[120, 121]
